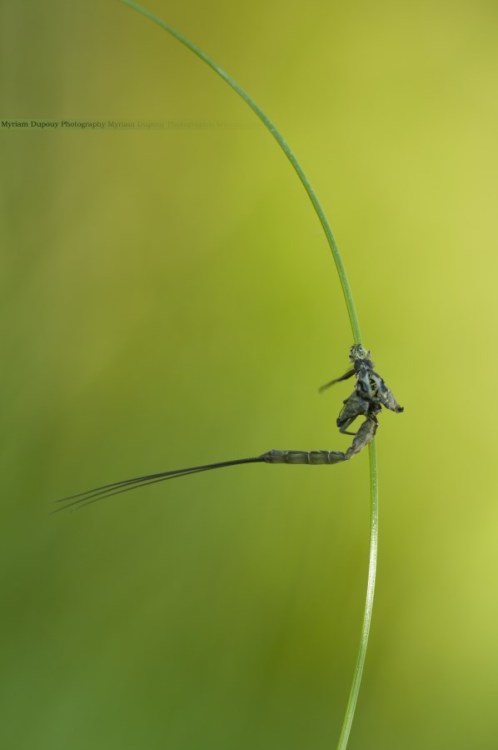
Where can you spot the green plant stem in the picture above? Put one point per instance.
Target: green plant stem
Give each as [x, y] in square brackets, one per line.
[369, 600]
[355, 327]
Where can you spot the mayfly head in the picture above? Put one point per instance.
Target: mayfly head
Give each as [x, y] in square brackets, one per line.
[358, 353]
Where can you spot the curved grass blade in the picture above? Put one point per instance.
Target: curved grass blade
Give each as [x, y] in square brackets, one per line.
[355, 327]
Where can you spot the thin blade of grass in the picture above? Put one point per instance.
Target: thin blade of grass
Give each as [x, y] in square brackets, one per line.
[369, 601]
[355, 327]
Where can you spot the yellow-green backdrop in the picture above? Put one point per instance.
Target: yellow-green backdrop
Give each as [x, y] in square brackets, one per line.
[168, 298]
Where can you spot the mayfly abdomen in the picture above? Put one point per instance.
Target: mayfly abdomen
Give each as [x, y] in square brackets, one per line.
[303, 457]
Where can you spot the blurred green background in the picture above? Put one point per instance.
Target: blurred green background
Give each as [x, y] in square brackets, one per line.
[168, 299]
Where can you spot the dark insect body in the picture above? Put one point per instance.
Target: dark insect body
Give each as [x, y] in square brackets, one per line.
[370, 393]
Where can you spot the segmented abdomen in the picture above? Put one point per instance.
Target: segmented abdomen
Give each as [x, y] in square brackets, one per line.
[303, 457]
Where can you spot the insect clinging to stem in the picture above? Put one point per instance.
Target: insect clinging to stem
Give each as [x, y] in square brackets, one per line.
[369, 396]
[370, 393]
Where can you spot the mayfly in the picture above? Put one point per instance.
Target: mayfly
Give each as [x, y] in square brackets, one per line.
[370, 393]
[369, 396]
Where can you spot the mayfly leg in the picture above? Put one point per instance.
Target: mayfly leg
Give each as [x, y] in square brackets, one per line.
[346, 376]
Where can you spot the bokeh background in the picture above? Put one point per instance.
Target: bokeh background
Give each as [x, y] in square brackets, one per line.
[168, 299]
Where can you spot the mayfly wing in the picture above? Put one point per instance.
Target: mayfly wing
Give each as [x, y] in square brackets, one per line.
[386, 396]
[370, 386]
